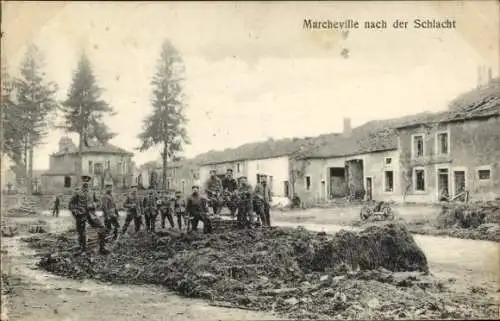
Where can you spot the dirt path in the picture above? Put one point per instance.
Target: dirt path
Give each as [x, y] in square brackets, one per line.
[42, 296]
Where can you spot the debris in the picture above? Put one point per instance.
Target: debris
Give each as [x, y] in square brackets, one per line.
[291, 271]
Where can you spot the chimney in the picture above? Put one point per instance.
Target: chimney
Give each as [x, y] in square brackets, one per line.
[347, 126]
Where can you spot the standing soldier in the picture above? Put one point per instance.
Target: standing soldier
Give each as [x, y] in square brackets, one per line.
[150, 206]
[134, 212]
[179, 208]
[230, 185]
[166, 209]
[245, 207]
[263, 200]
[196, 207]
[110, 211]
[83, 206]
[213, 189]
[57, 203]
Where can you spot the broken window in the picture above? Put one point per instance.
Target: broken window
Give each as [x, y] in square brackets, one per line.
[484, 174]
[418, 145]
[67, 181]
[442, 139]
[388, 160]
[308, 182]
[389, 181]
[420, 180]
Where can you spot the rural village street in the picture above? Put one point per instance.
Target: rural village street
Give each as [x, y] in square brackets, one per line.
[467, 262]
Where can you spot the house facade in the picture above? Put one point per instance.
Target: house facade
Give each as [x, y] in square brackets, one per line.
[449, 156]
[275, 169]
[374, 175]
[105, 163]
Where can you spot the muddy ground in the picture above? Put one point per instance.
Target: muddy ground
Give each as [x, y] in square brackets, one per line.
[466, 268]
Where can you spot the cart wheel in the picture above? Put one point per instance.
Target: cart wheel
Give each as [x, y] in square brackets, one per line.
[388, 213]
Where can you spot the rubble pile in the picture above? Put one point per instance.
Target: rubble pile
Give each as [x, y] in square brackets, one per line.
[478, 220]
[26, 208]
[290, 271]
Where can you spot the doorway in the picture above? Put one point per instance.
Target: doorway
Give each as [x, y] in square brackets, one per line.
[337, 182]
[443, 184]
[369, 188]
[459, 179]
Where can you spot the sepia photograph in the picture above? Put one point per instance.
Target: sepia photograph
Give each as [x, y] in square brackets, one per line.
[250, 160]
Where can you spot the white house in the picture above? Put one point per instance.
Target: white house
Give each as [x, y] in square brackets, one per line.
[269, 158]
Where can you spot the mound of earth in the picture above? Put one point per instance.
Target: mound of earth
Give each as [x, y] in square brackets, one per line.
[290, 271]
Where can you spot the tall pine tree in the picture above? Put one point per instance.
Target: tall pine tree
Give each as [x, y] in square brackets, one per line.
[165, 125]
[36, 104]
[12, 138]
[83, 110]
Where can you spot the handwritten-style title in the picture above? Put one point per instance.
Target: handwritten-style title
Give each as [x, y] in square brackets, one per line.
[350, 24]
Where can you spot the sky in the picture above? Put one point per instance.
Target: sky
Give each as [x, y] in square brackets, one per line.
[252, 71]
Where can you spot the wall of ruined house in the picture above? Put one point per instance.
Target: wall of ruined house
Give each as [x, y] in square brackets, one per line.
[52, 184]
[277, 167]
[473, 145]
[67, 164]
[373, 166]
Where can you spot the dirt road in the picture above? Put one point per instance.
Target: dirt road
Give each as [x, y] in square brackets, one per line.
[42, 296]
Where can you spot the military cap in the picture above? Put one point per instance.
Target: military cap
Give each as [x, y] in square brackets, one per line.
[108, 185]
[133, 186]
[195, 186]
[151, 187]
[178, 192]
[229, 170]
[86, 178]
[213, 171]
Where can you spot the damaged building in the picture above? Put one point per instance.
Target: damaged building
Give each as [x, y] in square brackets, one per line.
[359, 164]
[454, 151]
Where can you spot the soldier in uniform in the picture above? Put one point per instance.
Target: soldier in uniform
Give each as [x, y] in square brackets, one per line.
[83, 206]
[263, 201]
[110, 211]
[134, 211]
[197, 208]
[179, 208]
[213, 189]
[230, 185]
[150, 206]
[166, 209]
[245, 206]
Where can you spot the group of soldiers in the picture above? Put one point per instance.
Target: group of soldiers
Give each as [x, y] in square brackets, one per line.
[239, 196]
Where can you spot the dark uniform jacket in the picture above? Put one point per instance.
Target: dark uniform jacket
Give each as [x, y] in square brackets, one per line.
[108, 205]
[82, 202]
[132, 204]
[150, 201]
[213, 184]
[229, 184]
[196, 205]
[245, 191]
[263, 193]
